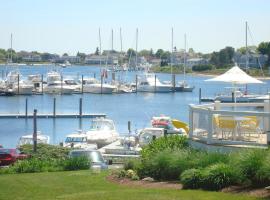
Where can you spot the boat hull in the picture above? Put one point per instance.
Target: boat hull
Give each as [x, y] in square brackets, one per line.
[98, 89]
[157, 89]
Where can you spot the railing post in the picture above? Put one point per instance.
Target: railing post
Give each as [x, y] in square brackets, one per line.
[35, 131]
[190, 134]
[54, 107]
[26, 108]
[113, 76]
[80, 107]
[94, 75]
[266, 120]
[217, 105]
[210, 126]
[82, 85]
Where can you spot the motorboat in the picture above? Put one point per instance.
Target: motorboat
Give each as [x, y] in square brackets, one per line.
[55, 84]
[150, 83]
[94, 86]
[123, 88]
[76, 85]
[184, 87]
[14, 81]
[102, 132]
[79, 141]
[28, 139]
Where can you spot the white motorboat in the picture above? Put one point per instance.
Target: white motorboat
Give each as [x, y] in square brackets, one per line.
[14, 81]
[55, 84]
[28, 139]
[78, 140]
[76, 85]
[148, 83]
[102, 132]
[185, 87]
[94, 86]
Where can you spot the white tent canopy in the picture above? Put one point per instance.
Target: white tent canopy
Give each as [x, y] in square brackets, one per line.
[235, 76]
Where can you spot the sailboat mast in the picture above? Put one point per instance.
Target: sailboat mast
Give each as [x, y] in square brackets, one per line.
[136, 59]
[99, 38]
[112, 39]
[11, 48]
[171, 52]
[121, 44]
[246, 48]
[185, 50]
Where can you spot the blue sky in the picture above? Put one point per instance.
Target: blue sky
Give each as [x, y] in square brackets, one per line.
[60, 26]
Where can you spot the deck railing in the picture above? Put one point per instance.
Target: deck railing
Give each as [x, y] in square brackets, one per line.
[214, 124]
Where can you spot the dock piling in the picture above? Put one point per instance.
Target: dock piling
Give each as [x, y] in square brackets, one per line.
[26, 108]
[82, 85]
[80, 107]
[136, 82]
[61, 84]
[113, 76]
[35, 130]
[173, 83]
[200, 95]
[155, 83]
[54, 107]
[101, 86]
[18, 92]
[42, 83]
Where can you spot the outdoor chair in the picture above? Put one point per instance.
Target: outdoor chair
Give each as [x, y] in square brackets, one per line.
[226, 125]
[251, 127]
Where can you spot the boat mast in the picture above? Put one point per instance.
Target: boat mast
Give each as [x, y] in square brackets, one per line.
[136, 59]
[246, 48]
[99, 38]
[185, 57]
[171, 52]
[11, 48]
[121, 45]
[112, 39]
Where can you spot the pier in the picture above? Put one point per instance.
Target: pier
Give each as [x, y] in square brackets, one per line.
[16, 116]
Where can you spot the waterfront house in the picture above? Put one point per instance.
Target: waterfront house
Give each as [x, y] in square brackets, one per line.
[254, 60]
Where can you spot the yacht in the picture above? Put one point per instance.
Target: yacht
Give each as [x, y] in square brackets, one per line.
[148, 83]
[14, 81]
[94, 86]
[76, 85]
[102, 132]
[28, 139]
[78, 140]
[55, 85]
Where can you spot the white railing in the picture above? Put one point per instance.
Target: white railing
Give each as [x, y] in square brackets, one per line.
[213, 124]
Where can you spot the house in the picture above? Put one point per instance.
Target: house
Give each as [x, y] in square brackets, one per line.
[101, 59]
[254, 60]
[196, 61]
[32, 58]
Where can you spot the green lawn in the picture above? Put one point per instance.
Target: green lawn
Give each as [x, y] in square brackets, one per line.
[84, 185]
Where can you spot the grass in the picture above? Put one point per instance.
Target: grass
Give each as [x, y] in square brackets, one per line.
[86, 185]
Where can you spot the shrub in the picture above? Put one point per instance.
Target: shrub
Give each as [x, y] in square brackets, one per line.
[263, 174]
[131, 164]
[122, 174]
[218, 176]
[77, 163]
[203, 159]
[191, 178]
[249, 163]
[166, 165]
[46, 151]
[200, 68]
[173, 142]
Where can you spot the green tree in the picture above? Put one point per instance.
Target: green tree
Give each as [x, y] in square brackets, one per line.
[264, 48]
[144, 53]
[159, 53]
[65, 54]
[222, 58]
[97, 51]
[82, 56]
[131, 52]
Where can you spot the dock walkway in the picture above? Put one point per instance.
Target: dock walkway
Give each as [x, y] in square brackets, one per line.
[64, 115]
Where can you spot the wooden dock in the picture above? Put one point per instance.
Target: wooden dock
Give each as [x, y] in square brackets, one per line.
[92, 115]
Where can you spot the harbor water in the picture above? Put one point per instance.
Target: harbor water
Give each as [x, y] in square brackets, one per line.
[138, 108]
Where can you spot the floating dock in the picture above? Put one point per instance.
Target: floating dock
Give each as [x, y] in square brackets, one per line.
[93, 115]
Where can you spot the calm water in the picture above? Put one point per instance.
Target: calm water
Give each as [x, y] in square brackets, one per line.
[137, 108]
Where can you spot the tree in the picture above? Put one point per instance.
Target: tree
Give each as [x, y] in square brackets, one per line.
[151, 52]
[65, 54]
[97, 51]
[81, 55]
[159, 53]
[144, 53]
[223, 57]
[264, 48]
[131, 52]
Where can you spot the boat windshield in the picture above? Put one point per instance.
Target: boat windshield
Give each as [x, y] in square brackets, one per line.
[75, 139]
[102, 125]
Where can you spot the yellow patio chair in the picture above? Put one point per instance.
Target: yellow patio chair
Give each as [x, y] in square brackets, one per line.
[226, 125]
[251, 126]
[216, 125]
